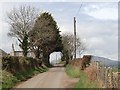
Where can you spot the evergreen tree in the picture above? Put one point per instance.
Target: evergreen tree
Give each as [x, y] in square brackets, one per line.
[45, 37]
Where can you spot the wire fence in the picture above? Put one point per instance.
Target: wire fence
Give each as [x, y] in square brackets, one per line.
[106, 75]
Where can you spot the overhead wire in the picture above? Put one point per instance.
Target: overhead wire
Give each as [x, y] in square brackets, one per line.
[79, 9]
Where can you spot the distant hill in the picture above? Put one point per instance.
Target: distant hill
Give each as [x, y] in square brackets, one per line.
[107, 62]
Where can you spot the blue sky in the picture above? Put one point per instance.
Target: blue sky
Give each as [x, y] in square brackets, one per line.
[97, 24]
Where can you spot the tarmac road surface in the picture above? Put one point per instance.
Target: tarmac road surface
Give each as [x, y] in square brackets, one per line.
[54, 78]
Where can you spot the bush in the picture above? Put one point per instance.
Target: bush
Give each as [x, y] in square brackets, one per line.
[91, 71]
[21, 68]
[14, 64]
[11, 64]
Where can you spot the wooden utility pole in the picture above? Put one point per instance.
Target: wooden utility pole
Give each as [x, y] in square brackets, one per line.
[75, 37]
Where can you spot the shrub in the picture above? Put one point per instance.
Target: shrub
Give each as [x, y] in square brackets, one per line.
[21, 68]
[14, 64]
[91, 71]
[10, 63]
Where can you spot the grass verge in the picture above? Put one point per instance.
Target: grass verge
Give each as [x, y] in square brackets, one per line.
[84, 81]
[72, 71]
[9, 80]
[22, 76]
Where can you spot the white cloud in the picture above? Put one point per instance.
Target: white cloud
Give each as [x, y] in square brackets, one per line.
[112, 56]
[66, 29]
[95, 41]
[103, 11]
[106, 46]
[4, 40]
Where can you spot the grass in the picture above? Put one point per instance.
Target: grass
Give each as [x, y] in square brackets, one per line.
[72, 72]
[84, 81]
[116, 69]
[22, 76]
[9, 80]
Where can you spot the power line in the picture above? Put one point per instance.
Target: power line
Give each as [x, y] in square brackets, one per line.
[78, 10]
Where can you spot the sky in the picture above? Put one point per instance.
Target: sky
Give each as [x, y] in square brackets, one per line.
[97, 24]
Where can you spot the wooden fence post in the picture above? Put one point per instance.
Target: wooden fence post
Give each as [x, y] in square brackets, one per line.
[106, 75]
[111, 78]
[97, 65]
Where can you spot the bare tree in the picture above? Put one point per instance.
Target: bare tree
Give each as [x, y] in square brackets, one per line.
[21, 22]
[68, 44]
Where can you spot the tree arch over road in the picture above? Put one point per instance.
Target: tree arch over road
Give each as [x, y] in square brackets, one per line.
[45, 37]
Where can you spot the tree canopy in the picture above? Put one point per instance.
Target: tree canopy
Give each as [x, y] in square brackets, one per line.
[45, 37]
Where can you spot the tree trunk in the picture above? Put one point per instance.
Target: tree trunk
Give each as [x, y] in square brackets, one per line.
[37, 53]
[46, 59]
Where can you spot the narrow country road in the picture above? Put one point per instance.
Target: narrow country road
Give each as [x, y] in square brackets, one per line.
[54, 78]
